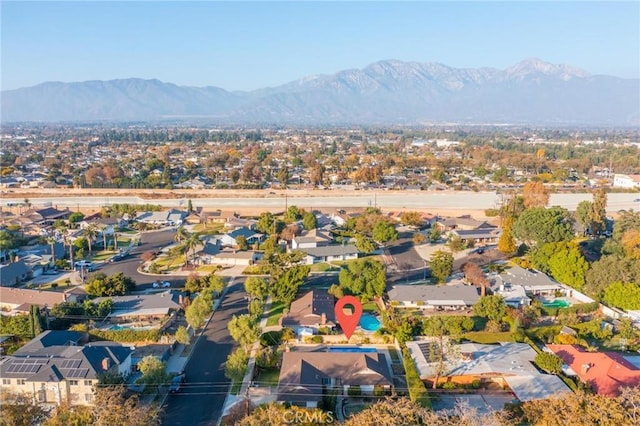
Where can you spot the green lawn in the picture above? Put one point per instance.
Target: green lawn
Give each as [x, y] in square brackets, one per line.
[60, 288]
[489, 338]
[323, 267]
[370, 307]
[169, 262]
[268, 377]
[274, 314]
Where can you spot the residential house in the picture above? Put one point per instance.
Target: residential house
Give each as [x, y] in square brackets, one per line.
[311, 311]
[330, 253]
[480, 236]
[534, 282]
[46, 216]
[464, 223]
[510, 365]
[171, 217]
[14, 273]
[143, 308]
[312, 238]
[626, 181]
[234, 222]
[605, 372]
[55, 370]
[251, 237]
[232, 257]
[18, 300]
[304, 374]
[439, 297]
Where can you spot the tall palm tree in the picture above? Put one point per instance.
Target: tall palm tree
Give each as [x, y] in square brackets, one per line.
[181, 234]
[190, 244]
[70, 244]
[103, 229]
[52, 243]
[90, 233]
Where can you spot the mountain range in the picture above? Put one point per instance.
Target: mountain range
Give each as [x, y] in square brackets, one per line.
[385, 92]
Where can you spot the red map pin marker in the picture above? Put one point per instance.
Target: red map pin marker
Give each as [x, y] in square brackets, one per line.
[347, 322]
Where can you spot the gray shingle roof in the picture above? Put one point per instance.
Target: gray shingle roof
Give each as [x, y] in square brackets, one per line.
[335, 250]
[302, 372]
[435, 294]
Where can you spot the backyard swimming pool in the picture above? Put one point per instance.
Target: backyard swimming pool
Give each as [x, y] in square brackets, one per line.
[353, 349]
[369, 323]
[558, 303]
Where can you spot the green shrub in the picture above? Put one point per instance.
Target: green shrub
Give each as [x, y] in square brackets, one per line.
[491, 212]
[127, 336]
[417, 391]
[317, 339]
[475, 384]
[379, 390]
[450, 385]
[54, 285]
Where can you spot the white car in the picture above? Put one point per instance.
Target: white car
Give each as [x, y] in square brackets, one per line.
[166, 284]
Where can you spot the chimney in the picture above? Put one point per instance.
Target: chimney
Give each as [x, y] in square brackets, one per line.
[323, 318]
[483, 290]
[106, 363]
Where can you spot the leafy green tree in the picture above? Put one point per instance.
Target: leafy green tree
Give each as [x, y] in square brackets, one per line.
[434, 235]
[583, 211]
[90, 233]
[236, 365]
[364, 244]
[241, 240]
[623, 295]
[197, 312]
[384, 231]
[153, 371]
[364, 278]
[17, 325]
[442, 352]
[540, 225]
[598, 213]
[244, 330]
[255, 308]
[441, 264]
[309, 221]
[455, 244]
[284, 289]
[627, 220]
[569, 266]
[256, 287]
[551, 363]
[293, 214]
[76, 217]
[491, 307]
[215, 283]
[607, 270]
[113, 285]
[182, 335]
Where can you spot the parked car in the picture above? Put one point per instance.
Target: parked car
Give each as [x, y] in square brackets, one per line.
[166, 284]
[155, 284]
[177, 382]
[119, 256]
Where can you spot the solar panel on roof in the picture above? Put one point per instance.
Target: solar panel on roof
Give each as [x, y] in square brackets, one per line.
[71, 363]
[81, 372]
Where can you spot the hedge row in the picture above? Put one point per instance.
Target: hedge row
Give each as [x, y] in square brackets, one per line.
[417, 390]
[127, 336]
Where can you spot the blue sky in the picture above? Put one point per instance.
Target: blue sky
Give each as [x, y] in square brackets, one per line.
[248, 45]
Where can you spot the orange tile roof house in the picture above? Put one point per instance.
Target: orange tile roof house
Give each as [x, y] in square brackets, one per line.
[606, 372]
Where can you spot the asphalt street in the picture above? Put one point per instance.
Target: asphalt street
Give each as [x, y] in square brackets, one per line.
[200, 401]
[419, 200]
[150, 241]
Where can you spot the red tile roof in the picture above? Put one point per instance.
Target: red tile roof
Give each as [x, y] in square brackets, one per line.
[606, 372]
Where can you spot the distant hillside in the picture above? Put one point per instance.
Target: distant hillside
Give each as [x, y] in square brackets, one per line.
[386, 92]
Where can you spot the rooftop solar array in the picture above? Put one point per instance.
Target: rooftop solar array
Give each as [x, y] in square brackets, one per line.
[70, 363]
[78, 373]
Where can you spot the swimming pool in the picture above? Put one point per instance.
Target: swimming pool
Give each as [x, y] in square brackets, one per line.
[353, 349]
[369, 323]
[558, 303]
